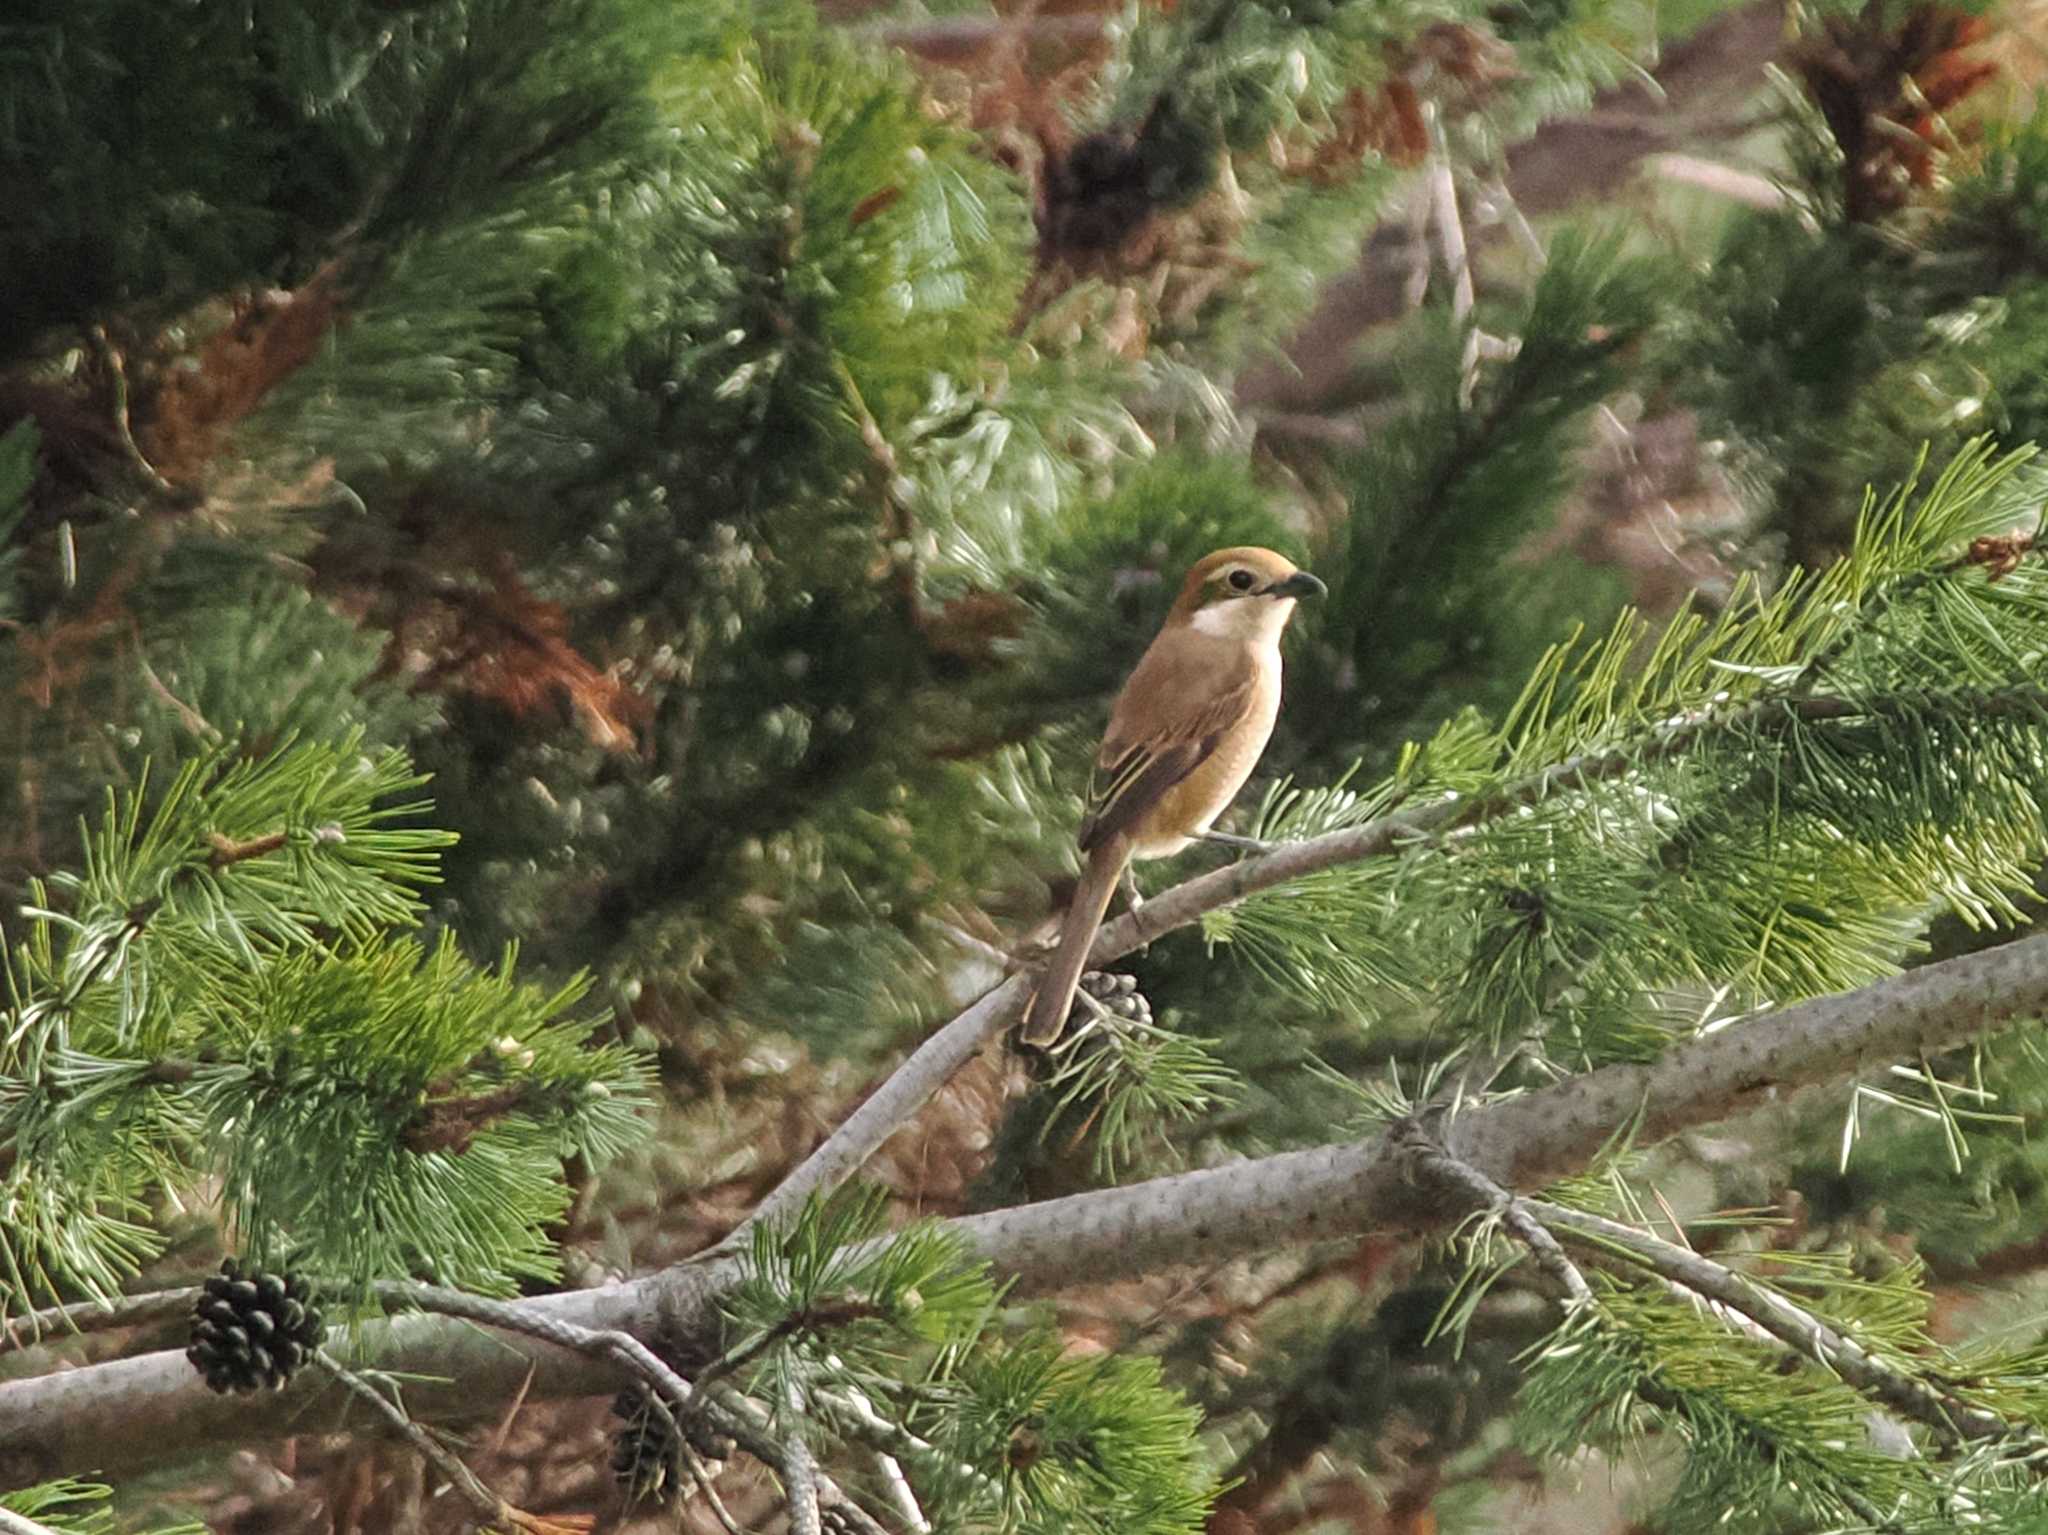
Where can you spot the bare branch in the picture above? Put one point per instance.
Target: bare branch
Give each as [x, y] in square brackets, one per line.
[54, 1323]
[892, 1105]
[799, 1470]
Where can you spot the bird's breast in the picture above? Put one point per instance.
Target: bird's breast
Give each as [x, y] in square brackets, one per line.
[1191, 806]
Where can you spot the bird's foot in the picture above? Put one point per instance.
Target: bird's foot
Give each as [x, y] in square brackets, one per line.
[1243, 844]
[1128, 883]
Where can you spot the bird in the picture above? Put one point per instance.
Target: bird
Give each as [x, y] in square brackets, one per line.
[1185, 733]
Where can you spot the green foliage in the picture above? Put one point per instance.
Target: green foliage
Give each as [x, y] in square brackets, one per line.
[183, 155]
[393, 1110]
[1018, 1436]
[70, 1507]
[1126, 1080]
[1831, 354]
[219, 993]
[1956, 1167]
[1078, 1444]
[827, 1288]
[1690, 810]
[265, 661]
[1444, 492]
[1793, 1450]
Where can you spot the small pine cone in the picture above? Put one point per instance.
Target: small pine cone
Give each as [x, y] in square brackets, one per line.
[707, 1441]
[1118, 994]
[646, 1459]
[251, 1333]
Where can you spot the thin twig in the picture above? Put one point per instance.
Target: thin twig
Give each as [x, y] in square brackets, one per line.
[117, 381]
[80, 1317]
[800, 1478]
[12, 1523]
[493, 1509]
[54, 1323]
[701, 1475]
[756, 1420]
[1951, 1418]
[857, 1418]
[901, 1493]
[732, 1415]
[1450, 234]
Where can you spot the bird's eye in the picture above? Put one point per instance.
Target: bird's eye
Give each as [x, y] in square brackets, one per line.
[1242, 580]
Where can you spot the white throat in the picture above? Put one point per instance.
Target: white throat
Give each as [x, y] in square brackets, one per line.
[1244, 618]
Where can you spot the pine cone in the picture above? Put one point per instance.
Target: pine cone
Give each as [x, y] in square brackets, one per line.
[253, 1333]
[646, 1459]
[1119, 994]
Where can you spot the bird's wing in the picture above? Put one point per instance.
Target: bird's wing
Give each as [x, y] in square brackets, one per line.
[1137, 766]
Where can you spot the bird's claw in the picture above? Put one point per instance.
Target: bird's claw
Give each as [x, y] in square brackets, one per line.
[1243, 844]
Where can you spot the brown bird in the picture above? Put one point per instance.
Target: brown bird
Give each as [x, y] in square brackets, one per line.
[1185, 734]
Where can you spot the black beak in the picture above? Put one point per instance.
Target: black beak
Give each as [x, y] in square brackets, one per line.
[1300, 584]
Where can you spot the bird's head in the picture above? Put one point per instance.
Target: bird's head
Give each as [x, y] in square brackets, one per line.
[1245, 593]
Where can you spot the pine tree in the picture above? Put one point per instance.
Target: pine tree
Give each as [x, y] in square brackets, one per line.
[561, 566]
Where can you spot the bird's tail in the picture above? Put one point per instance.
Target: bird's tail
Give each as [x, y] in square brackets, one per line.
[1048, 1014]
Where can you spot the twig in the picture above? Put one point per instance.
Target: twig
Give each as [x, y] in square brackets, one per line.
[701, 1475]
[493, 1509]
[12, 1523]
[1450, 234]
[77, 1318]
[901, 1493]
[1450, 228]
[28, 1330]
[732, 1415]
[117, 381]
[1501, 203]
[756, 1421]
[912, 1085]
[859, 1420]
[800, 1478]
[1514, 1213]
[189, 717]
[1745, 187]
[620, 1347]
[1951, 1418]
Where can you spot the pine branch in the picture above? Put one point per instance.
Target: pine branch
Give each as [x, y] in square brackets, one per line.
[1952, 1419]
[809, 1488]
[1523, 1219]
[891, 1106]
[135, 1412]
[12, 1523]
